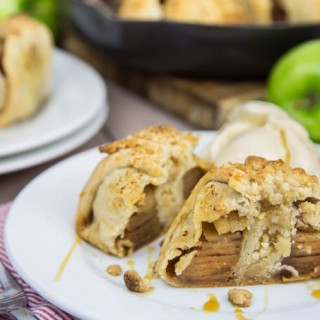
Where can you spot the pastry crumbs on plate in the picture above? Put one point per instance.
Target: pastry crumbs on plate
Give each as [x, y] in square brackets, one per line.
[114, 270]
[240, 297]
[134, 282]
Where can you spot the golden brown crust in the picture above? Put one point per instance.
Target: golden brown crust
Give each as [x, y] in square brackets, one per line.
[114, 270]
[134, 193]
[147, 137]
[293, 11]
[260, 11]
[223, 11]
[3, 89]
[206, 11]
[261, 204]
[140, 9]
[26, 47]
[298, 11]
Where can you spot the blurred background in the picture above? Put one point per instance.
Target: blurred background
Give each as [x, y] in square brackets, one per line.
[195, 65]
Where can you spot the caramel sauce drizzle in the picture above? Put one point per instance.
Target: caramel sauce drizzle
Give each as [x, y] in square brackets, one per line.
[131, 264]
[266, 299]
[316, 293]
[150, 272]
[314, 288]
[287, 158]
[212, 305]
[239, 314]
[66, 259]
[266, 304]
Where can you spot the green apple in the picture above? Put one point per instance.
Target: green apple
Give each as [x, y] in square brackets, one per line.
[8, 7]
[49, 12]
[294, 84]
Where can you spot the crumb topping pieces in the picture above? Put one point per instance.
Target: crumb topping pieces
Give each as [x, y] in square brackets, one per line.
[134, 282]
[114, 270]
[240, 297]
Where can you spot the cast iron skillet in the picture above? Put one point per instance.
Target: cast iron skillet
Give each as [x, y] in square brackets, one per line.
[228, 52]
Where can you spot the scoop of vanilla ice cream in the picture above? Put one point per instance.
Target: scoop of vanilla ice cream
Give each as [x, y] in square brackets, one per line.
[262, 129]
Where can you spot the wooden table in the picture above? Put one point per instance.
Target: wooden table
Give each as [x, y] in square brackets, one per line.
[127, 113]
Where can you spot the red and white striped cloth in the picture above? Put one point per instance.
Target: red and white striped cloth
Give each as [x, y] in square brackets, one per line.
[43, 309]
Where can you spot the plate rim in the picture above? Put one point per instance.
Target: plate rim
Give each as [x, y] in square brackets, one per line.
[55, 149]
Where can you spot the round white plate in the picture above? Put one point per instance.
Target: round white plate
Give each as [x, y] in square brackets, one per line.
[40, 232]
[77, 95]
[55, 149]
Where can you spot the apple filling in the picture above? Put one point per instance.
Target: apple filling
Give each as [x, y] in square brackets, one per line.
[145, 226]
[231, 252]
[214, 262]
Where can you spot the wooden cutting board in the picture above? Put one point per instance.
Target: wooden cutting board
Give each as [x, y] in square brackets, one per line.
[202, 102]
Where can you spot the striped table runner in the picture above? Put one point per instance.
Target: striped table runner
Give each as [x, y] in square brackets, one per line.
[43, 309]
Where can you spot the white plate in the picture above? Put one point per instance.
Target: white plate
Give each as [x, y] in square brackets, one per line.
[40, 232]
[55, 149]
[77, 94]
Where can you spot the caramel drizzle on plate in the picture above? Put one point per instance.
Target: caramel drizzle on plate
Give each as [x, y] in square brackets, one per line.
[66, 259]
[212, 305]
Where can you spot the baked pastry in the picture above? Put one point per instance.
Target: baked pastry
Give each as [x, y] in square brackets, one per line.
[293, 11]
[298, 11]
[26, 67]
[244, 224]
[261, 11]
[140, 9]
[223, 11]
[206, 11]
[135, 192]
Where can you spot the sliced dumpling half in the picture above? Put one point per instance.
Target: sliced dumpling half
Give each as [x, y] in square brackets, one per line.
[250, 223]
[135, 192]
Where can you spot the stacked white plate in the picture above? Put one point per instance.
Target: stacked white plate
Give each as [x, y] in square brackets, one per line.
[74, 112]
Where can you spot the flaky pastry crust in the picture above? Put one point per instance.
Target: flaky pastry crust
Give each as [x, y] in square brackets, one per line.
[206, 11]
[250, 223]
[134, 193]
[216, 12]
[140, 9]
